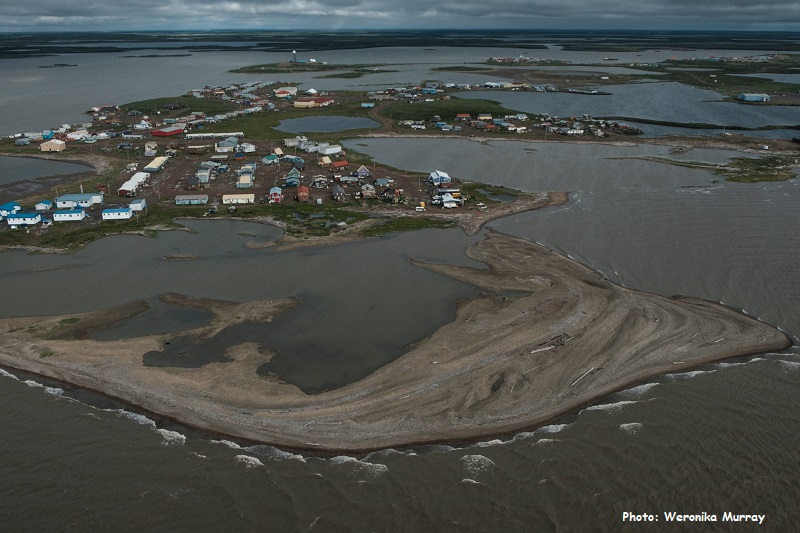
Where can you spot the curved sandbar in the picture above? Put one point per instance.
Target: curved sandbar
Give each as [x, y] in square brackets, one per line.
[549, 336]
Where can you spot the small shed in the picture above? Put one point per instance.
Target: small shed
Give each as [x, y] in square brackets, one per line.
[22, 141]
[53, 145]
[138, 205]
[121, 213]
[294, 173]
[275, 195]
[44, 205]
[291, 182]
[303, 193]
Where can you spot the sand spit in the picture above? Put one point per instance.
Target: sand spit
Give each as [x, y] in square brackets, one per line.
[548, 337]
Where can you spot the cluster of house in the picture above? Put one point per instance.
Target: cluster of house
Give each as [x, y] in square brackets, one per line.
[521, 59]
[302, 143]
[66, 208]
[443, 192]
[519, 123]
[415, 92]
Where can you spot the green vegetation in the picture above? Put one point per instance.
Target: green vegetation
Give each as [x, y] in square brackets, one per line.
[750, 170]
[478, 191]
[46, 352]
[263, 125]
[396, 225]
[447, 109]
[460, 68]
[725, 76]
[210, 106]
[744, 169]
[288, 67]
[71, 320]
[354, 73]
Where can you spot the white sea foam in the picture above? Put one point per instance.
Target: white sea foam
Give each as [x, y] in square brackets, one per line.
[609, 407]
[55, 391]
[270, 452]
[31, 383]
[488, 443]
[542, 442]
[477, 465]
[689, 375]
[249, 462]
[227, 443]
[136, 417]
[789, 365]
[467, 481]
[370, 470]
[722, 366]
[8, 374]
[631, 428]
[638, 391]
[172, 438]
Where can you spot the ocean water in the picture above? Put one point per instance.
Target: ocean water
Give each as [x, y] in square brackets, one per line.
[719, 438]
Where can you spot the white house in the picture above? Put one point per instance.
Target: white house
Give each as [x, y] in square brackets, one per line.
[71, 201]
[23, 219]
[53, 145]
[437, 177]
[44, 205]
[69, 215]
[138, 205]
[238, 199]
[122, 213]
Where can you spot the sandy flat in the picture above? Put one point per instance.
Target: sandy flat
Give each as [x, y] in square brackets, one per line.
[548, 337]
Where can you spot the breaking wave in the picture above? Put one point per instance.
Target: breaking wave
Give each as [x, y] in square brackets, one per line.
[227, 443]
[688, 375]
[136, 417]
[632, 428]
[249, 462]
[8, 374]
[638, 391]
[270, 452]
[370, 470]
[609, 407]
[172, 438]
[477, 465]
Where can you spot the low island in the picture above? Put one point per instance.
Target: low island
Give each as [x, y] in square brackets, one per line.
[546, 337]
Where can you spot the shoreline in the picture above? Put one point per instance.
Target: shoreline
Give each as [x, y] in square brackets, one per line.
[469, 380]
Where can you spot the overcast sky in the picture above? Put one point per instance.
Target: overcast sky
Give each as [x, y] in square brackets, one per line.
[112, 15]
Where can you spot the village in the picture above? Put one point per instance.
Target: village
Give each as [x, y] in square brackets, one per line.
[209, 149]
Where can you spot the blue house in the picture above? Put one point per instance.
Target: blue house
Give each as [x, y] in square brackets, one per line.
[291, 182]
[23, 219]
[9, 209]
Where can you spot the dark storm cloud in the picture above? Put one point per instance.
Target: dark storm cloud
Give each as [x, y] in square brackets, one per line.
[203, 14]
